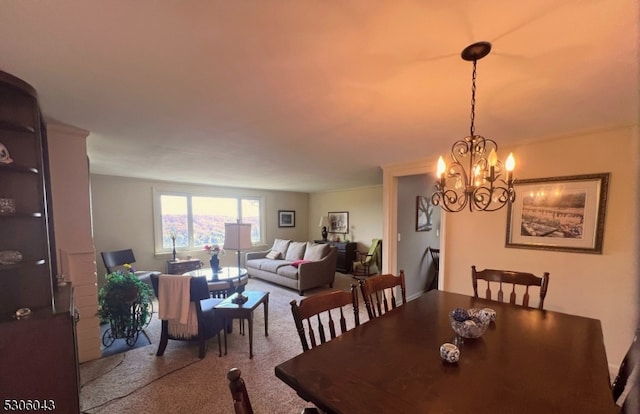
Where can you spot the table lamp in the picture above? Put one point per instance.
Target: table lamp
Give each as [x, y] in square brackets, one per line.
[324, 222]
[237, 236]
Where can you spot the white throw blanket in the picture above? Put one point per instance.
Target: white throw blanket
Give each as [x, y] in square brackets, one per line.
[175, 306]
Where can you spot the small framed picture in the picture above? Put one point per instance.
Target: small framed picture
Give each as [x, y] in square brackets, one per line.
[559, 213]
[339, 222]
[286, 218]
[424, 210]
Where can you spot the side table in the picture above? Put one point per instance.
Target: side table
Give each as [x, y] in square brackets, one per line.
[179, 267]
[229, 310]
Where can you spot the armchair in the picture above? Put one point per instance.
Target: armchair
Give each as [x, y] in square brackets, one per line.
[174, 325]
[116, 259]
[369, 263]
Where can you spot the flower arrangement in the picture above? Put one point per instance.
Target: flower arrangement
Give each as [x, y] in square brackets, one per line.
[214, 250]
[129, 268]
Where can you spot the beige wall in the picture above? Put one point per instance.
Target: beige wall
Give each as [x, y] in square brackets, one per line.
[365, 213]
[602, 286]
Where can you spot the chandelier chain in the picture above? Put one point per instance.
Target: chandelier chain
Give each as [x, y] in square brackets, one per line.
[472, 130]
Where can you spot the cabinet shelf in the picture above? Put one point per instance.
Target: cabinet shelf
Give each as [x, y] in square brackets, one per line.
[24, 263]
[18, 168]
[20, 215]
[12, 126]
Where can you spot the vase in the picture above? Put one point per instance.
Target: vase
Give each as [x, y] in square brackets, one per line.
[215, 264]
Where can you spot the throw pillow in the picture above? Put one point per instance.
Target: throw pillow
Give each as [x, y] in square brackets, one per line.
[316, 251]
[299, 262]
[296, 251]
[281, 246]
[273, 254]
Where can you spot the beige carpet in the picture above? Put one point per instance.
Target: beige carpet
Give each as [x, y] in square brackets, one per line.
[179, 382]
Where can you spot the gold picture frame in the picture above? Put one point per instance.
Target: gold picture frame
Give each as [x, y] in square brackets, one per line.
[559, 213]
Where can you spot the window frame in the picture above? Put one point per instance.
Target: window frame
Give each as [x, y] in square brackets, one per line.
[189, 194]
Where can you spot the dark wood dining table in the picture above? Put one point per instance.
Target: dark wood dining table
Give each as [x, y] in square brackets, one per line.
[528, 361]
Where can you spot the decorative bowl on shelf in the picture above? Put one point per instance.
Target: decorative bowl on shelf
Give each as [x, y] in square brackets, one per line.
[7, 206]
[9, 257]
[470, 323]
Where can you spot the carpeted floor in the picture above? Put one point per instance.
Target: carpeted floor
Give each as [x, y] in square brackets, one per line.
[138, 381]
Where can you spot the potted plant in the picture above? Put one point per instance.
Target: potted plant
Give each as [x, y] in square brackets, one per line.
[125, 304]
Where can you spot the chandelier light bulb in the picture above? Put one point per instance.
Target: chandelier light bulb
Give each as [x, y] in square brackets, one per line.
[442, 167]
[493, 158]
[510, 165]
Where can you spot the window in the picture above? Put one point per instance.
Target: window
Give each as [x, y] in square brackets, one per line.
[197, 219]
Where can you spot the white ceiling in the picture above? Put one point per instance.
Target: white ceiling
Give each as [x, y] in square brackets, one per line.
[316, 95]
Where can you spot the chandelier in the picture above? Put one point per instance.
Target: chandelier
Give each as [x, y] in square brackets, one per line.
[482, 187]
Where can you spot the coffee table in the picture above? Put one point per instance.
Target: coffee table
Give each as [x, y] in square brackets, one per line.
[229, 310]
[223, 283]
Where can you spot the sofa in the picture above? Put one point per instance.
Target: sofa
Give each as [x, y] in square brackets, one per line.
[296, 265]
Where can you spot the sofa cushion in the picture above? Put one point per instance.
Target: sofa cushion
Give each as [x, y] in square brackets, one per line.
[273, 265]
[299, 262]
[274, 254]
[315, 251]
[280, 245]
[296, 251]
[256, 263]
[288, 271]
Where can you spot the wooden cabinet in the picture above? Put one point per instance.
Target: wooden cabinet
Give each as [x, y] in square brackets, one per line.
[38, 353]
[39, 358]
[179, 267]
[346, 255]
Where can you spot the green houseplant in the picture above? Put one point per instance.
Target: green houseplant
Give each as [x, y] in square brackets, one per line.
[125, 304]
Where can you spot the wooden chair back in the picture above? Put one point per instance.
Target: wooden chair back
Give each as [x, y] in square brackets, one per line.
[500, 277]
[241, 402]
[320, 309]
[435, 257]
[379, 293]
[630, 361]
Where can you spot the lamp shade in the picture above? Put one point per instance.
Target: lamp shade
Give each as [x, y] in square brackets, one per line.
[324, 221]
[237, 236]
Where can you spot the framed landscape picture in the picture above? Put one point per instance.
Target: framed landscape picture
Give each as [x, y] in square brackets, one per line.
[339, 222]
[286, 218]
[559, 213]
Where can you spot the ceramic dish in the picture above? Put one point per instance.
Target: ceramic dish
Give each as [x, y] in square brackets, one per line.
[9, 257]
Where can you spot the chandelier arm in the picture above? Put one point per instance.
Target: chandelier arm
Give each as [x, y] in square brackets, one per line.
[492, 198]
[450, 200]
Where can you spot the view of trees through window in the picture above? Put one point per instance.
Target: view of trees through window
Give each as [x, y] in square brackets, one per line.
[199, 220]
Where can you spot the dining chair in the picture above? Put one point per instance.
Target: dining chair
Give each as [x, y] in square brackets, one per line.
[317, 310]
[240, 396]
[435, 257]
[203, 323]
[630, 362]
[512, 278]
[379, 293]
